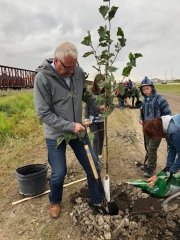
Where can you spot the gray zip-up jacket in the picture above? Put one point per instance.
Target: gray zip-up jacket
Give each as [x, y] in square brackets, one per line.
[58, 106]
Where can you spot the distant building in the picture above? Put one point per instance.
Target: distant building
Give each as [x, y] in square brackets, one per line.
[156, 80]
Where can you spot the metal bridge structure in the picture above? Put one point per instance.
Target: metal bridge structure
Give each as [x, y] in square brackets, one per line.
[16, 78]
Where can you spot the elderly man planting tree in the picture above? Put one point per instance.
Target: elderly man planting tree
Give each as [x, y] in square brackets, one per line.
[58, 93]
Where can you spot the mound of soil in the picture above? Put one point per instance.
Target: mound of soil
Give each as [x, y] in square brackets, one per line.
[145, 220]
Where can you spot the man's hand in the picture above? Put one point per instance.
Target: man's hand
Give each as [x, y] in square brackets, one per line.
[103, 108]
[87, 123]
[151, 181]
[141, 122]
[78, 128]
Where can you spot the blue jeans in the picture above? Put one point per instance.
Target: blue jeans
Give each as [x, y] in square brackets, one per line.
[173, 150]
[57, 160]
[121, 102]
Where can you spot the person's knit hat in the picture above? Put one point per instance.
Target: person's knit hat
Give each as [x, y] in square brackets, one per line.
[146, 82]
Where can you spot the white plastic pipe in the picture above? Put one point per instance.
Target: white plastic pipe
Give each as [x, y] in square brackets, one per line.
[165, 203]
[106, 184]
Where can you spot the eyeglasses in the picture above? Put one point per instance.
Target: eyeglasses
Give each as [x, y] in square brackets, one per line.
[67, 68]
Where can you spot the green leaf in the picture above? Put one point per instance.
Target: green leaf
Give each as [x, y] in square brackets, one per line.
[102, 32]
[59, 141]
[87, 54]
[67, 137]
[129, 64]
[106, 114]
[132, 139]
[126, 71]
[91, 136]
[104, 56]
[120, 32]
[118, 133]
[112, 69]
[111, 55]
[103, 10]
[86, 75]
[112, 78]
[82, 134]
[122, 42]
[112, 12]
[86, 92]
[103, 44]
[100, 99]
[132, 63]
[137, 55]
[74, 136]
[105, 52]
[131, 56]
[87, 40]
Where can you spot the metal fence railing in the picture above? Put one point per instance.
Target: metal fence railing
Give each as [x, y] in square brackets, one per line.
[16, 78]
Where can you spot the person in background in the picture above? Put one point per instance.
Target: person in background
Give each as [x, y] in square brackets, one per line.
[135, 93]
[130, 84]
[166, 127]
[120, 97]
[121, 94]
[153, 106]
[59, 89]
[93, 121]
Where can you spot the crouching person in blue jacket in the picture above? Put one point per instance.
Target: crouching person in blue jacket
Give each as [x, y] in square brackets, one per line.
[167, 127]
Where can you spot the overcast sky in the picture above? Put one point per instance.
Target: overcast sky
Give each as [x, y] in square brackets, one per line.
[31, 30]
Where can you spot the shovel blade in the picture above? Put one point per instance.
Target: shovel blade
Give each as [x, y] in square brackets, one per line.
[112, 208]
[109, 208]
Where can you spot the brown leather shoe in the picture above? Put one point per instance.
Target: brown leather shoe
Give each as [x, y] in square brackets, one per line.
[54, 210]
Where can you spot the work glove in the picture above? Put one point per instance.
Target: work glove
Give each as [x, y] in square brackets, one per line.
[168, 173]
[166, 169]
[151, 180]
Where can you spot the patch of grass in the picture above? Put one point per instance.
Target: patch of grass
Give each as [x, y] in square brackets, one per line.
[17, 115]
[170, 87]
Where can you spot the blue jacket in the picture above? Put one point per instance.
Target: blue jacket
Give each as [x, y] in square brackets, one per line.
[173, 140]
[153, 106]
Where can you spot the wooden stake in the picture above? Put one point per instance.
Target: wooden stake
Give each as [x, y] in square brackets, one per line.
[65, 185]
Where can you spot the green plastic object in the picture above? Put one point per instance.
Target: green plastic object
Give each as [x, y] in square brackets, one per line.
[163, 185]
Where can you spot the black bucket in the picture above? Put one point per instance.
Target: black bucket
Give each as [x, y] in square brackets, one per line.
[32, 179]
[138, 104]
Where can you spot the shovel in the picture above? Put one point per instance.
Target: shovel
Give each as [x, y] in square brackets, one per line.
[106, 181]
[111, 207]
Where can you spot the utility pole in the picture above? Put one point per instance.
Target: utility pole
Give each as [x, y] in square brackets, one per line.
[171, 74]
[165, 75]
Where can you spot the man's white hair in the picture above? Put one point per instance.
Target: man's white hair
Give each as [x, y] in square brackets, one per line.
[65, 49]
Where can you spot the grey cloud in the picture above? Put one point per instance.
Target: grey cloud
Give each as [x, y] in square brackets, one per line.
[33, 29]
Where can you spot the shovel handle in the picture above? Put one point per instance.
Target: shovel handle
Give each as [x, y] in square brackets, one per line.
[93, 167]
